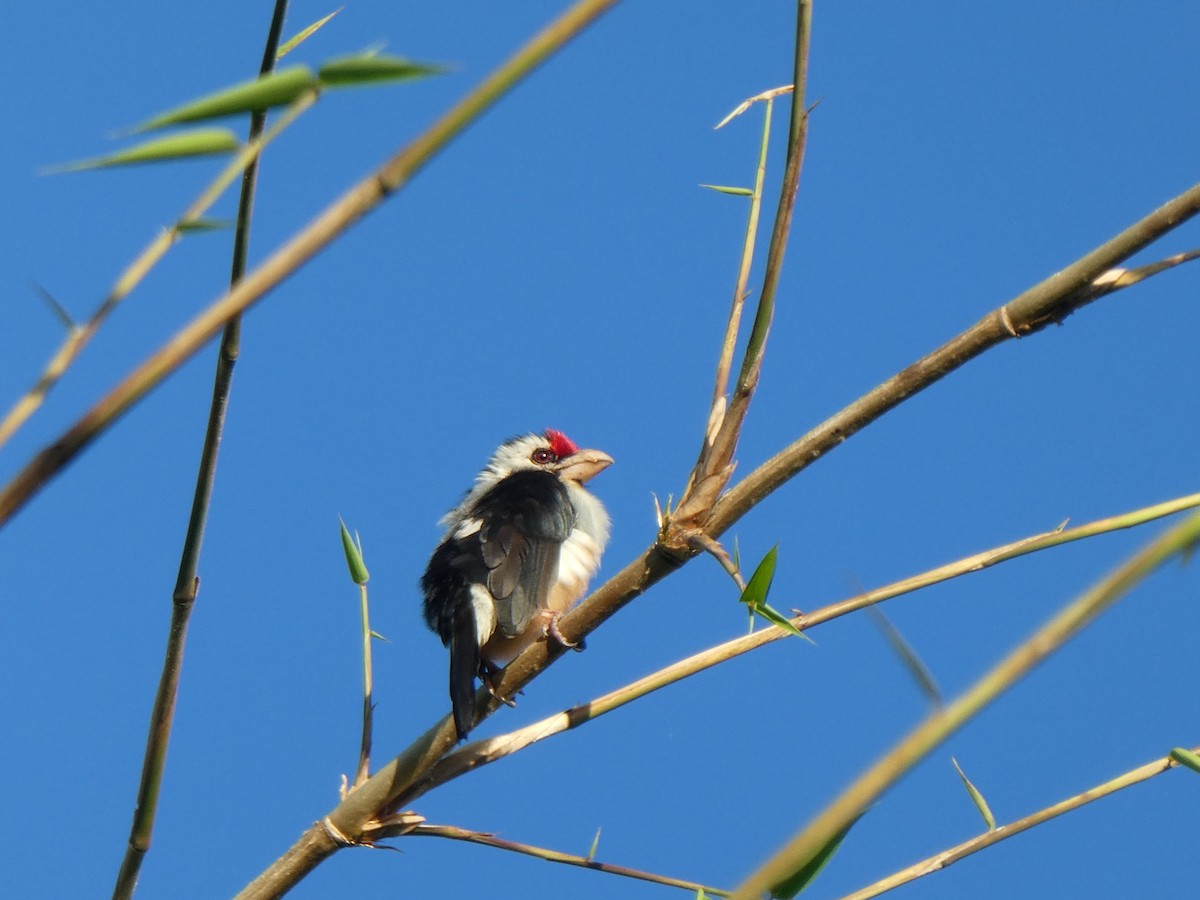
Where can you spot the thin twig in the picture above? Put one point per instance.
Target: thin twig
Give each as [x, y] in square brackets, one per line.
[717, 409]
[725, 361]
[952, 855]
[839, 815]
[702, 543]
[490, 840]
[188, 582]
[750, 101]
[364, 752]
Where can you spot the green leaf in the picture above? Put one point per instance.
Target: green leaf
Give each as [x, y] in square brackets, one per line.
[1186, 758]
[204, 225]
[379, 637]
[755, 595]
[369, 68]
[354, 560]
[595, 844]
[976, 797]
[271, 90]
[293, 42]
[803, 876]
[760, 582]
[777, 618]
[185, 145]
[725, 189]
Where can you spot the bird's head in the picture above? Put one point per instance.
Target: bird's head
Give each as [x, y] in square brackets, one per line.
[551, 451]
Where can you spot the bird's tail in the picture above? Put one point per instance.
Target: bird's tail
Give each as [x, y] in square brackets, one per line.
[464, 664]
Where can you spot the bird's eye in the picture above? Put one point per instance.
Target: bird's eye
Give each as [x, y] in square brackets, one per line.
[541, 456]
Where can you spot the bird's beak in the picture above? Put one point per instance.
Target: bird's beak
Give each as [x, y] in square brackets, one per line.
[584, 465]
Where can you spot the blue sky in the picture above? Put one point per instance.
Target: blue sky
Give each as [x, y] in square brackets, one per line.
[558, 266]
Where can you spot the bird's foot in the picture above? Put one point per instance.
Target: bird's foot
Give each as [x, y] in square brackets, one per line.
[552, 630]
[486, 673]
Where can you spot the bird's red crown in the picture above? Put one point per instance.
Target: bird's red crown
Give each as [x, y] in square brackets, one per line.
[561, 445]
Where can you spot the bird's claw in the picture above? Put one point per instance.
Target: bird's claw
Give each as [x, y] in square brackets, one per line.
[486, 674]
[554, 632]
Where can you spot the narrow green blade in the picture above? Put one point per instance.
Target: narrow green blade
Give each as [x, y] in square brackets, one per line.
[300, 37]
[976, 797]
[271, 90]
[775, 617]
[187, 144]
[369, 68]
[354, 560]
[760, 582]
[205, 225]
[725, 189]
[803, 876]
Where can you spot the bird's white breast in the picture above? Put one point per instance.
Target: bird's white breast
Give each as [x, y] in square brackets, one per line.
[579, 557]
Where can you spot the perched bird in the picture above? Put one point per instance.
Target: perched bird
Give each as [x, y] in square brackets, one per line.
[518, 552]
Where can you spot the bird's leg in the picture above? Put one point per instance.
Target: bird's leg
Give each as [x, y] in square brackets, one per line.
[552, 630]
[488, 671]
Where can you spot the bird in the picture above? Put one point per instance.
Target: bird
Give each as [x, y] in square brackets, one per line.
[518, 552]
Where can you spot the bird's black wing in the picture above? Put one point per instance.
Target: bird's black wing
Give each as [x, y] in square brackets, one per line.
[456, 564]
[526, 517]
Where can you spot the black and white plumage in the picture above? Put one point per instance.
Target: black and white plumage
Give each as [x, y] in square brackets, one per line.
[518, 552]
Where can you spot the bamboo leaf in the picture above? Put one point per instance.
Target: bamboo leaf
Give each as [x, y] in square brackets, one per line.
[370, 68]
[803, 876]
[760, 582]
[185, 145]
[271, 90]
[1186, 758]
[354, 560]
[204, 225]
[295, 41]
[976, 797]
[725, 189]
[775, 617]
